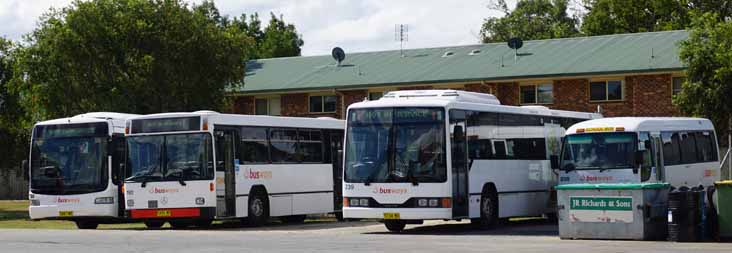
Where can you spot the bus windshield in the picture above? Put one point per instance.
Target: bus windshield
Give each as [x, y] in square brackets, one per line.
[598, 151]
[69, 159]
[395, 145]
[176, 157]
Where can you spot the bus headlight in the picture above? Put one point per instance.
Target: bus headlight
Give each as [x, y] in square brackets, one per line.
[354, 202]
[104, 200]
[422, 202]
[363, 202]
[434, 202]
[130, 202]
[200, 201]
[35, 202]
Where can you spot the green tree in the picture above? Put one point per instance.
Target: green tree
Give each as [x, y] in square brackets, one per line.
[13, 136]
[278, 39]
[708, 56]
[632, 16]
[530, 20]
[138, 56]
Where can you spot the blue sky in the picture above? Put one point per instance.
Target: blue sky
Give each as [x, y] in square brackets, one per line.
[356, 26]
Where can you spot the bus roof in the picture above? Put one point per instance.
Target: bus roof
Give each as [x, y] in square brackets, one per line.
[646, 124]
[253, 120]
[118, 119]
[456, 99]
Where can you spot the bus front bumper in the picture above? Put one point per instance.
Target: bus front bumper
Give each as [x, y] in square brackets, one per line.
[71, 212]
[398, 213]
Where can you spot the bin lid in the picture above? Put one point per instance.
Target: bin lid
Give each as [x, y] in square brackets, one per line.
[623, 186]
[725, 182]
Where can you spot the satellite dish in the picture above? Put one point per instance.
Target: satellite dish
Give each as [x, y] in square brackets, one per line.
[338, 55]
[515, 43]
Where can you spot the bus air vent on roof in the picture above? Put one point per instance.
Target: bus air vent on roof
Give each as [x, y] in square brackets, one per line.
[474, 52]
[448, 54]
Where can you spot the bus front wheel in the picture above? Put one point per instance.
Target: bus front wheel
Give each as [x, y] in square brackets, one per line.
[395, 225]
[86, 225]
[488, 210]
[258, 210]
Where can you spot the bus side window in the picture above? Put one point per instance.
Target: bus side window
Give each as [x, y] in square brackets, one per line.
[671, 152]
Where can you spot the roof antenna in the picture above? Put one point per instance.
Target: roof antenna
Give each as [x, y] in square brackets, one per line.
[401, 34]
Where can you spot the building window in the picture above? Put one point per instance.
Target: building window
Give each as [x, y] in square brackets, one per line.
[677, 81]
[375, 95]
[267, 106]
[611, 90]
[537, 94]
[320, 104]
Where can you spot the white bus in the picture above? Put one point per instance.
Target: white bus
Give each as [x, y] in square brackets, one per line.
[680, 151]
[74, 169]
[443, 154]
[191, 168]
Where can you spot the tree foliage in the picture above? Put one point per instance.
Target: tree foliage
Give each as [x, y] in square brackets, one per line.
[626, 16]
[278, 39]
[530, 20]
[13, 136]
[138, 56]
[708, 56]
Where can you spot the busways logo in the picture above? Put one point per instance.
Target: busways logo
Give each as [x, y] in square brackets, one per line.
[253, 174]
[61, 200]
[156, 190]
[380, 190]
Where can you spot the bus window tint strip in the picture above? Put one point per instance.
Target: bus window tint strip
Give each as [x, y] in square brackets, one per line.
[71, 130]
[166, 125]
[281, 145]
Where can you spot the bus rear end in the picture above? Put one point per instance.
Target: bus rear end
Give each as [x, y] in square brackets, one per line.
[170, 171]
[395, 165]
[70, 172]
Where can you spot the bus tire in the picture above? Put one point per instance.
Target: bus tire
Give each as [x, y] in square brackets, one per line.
[180, 224]
[86, 224]
[488, 209]
[154, 224]
[203, 223]
[293, 218]
[258, 210]
[395, 225]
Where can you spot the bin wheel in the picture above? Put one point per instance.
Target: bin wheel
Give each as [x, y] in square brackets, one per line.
[395, 225]
[86, 225]
[488, 210]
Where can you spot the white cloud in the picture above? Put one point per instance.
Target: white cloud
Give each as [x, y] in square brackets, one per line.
[356, 26]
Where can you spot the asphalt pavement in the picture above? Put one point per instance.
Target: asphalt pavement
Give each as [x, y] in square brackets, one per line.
[434, 236]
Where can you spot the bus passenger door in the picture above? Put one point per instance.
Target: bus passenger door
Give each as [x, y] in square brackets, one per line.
[459, 164]
[336, 152]
[226, 140]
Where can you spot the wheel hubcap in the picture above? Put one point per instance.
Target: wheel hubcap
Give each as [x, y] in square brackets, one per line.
[257, 207]
[487, 210]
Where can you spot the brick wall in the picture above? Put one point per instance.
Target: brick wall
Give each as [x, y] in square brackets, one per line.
[644, 95]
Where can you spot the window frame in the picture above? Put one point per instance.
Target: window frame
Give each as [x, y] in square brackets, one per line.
[607, 91]
[536, 93]
[674, 91]
[268, 108]
[322, 103]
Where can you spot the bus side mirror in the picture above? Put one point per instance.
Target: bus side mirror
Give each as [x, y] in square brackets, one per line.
[554, 160]
[638, 160]
[26, 170]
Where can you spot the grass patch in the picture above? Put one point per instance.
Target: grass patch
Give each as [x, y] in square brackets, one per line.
[14, 214]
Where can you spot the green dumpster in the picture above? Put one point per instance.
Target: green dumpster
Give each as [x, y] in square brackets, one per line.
[613, 211]
[724, 208]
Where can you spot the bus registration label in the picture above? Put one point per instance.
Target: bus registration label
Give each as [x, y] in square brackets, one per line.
[163, 213]
[391, 216]
[65, 213]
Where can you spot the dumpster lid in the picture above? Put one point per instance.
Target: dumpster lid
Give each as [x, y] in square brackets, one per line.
[623, 186]
[725, 182]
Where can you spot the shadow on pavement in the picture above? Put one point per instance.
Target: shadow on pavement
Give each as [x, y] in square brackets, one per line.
[272, 225]
[531, 227]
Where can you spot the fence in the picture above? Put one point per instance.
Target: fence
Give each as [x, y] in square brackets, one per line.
[12, 184]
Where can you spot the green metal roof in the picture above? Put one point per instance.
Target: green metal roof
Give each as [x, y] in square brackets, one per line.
[620, 53]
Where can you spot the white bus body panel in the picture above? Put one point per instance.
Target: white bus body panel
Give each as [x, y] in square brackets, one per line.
[397, 193]
[169, 194]
[80, 205]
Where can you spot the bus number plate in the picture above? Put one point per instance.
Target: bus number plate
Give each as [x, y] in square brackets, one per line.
[391, 216]
[65, 213]
[163, 213]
